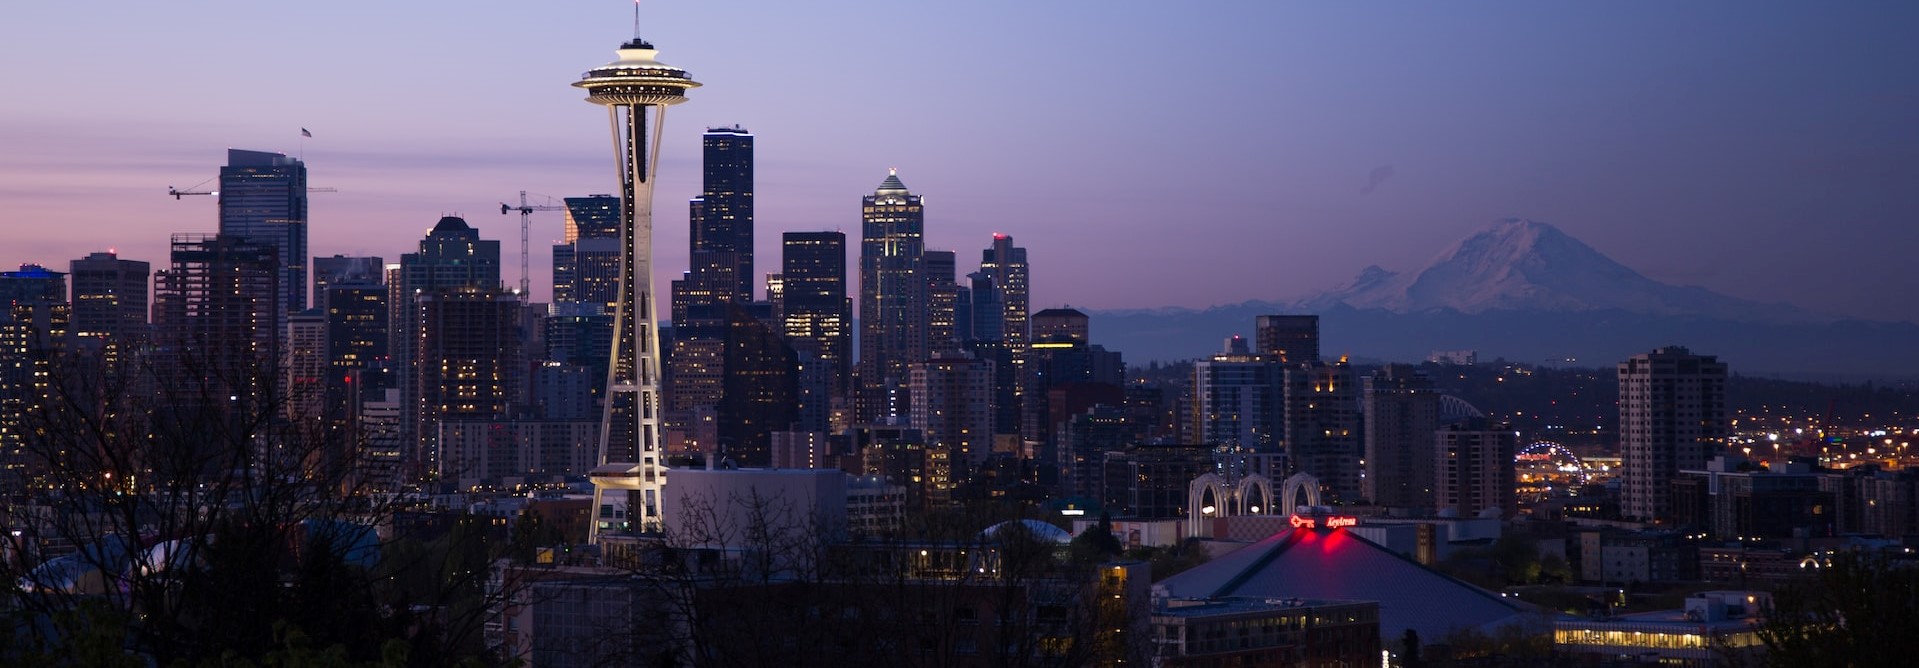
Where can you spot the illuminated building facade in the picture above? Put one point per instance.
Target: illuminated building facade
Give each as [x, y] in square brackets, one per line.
[469, 366]
[893, 300]
[586, 262]
[813, 306]
[1672, 416]
[953, 407]
[452, 257]
[1006, 264]
[1238, 399]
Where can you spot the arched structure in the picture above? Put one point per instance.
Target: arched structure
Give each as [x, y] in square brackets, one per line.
[1213, 495]
[1289, 493]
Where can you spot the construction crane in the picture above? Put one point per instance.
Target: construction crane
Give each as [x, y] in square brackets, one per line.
[526, 222]
[194, 190]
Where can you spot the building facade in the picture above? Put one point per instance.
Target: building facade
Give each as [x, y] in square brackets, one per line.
[1672, 416]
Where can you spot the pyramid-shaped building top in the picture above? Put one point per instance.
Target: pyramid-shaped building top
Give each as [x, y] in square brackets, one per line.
[1335, 564]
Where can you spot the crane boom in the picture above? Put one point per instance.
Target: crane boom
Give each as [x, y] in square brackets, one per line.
[526, 210]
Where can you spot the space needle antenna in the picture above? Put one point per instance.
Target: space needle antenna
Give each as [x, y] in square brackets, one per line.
[636, 20]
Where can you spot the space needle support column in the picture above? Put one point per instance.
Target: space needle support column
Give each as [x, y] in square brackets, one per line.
[630, 474]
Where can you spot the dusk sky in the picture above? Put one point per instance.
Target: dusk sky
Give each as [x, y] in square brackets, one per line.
[1147, 154]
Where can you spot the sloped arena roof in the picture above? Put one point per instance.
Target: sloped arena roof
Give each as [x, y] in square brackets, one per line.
[1335, 564]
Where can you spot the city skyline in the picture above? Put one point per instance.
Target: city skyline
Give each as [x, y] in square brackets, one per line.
[1770, 135]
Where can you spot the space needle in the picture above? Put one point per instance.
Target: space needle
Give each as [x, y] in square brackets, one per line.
[631, 471]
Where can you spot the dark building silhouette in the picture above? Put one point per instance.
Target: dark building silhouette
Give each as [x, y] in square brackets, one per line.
[813, 306]
[263, 200]
[586, 262]
[451, 259]
[218, 304]
[469, 356]
[35, 327]
[1321, 427]
[1288, 338]
[110, 297]
[1401, 415]
[760, 393]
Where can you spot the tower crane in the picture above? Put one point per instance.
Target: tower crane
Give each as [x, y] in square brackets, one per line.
[526, 221]
[195, 190]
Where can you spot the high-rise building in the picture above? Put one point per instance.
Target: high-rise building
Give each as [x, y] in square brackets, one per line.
[303, 367]
[1672, 416]
[1473, 466]
[1006, 263]
[451, 258]
[1238, 399]
[468, 365]
[631, 459]
[893, 299]
[218, 305]
[1401, 414]
[813, 306]
[952, 407]
[358, 333]
[586, 262]
[345, 270]
[109, 297]
[760, 394]
[723, 220]
[1288, 338]
[1062, 322]
[35, 323]
[985, 309]
[1322, 426]
[942, 302]
[263, 200]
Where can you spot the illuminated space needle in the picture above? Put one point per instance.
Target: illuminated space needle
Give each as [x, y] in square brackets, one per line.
[628, 482]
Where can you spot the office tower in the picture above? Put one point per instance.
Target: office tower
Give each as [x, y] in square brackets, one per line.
[263, 200]
[1672, 416]
[1238, 399]
[813, 306]
[218, 304]
[942, 302]
[304, 367]
[893, 309]
[586, 262]
[469, 354]
[952, 408]
[631, 465]
[1084, 440]
[760, 393]
[1061, 322]
[345, 270]
[723, 220]
[1064, 377]
[1401, 414]
[1321, 426]
[1473, 467]
[986, 323]
[35, 324]
[358, 333]
[1288, 338]
[452, 257]
[109, 297]
[1006, 263]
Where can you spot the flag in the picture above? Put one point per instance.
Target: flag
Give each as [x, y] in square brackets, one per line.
[304, 133]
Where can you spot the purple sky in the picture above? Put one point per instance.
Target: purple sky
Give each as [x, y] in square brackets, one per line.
[1146, 154]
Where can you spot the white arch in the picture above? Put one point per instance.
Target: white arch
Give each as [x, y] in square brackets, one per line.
[1289, 492]
[1243, 495]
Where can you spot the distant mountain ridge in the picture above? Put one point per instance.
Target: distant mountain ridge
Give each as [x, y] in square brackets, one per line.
[1527, 265]
[1526, 291]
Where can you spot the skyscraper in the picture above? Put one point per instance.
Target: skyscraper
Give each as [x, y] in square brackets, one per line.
[586, 262]
[813, 305]
[468, 366]
[452, 257]
[1237, 399]
[1322, 426]
[34, 326]
[893, 299]
[1402, 412]
[942, 302]
[217, 306]
[723, 221]
[109, 297]
[1672, 416]
[1473, 467]
[345, 270]
[630, 456]
[952, 405]
[263, 200]
[1288, 338]
[1006, 263]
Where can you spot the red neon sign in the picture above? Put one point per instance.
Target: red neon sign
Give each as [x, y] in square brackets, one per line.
[1332, 522]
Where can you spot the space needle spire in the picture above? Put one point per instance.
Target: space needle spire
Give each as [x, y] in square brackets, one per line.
[630, 474]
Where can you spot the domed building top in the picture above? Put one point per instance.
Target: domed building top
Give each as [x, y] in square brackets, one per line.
[1035, 528]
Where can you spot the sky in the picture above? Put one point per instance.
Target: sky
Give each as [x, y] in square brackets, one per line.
[1146, 154]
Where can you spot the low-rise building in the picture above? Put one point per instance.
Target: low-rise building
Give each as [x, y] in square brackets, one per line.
[1715, 628]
